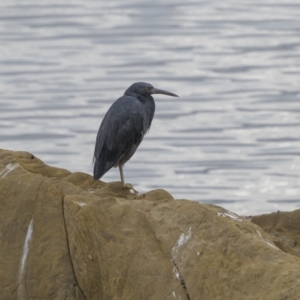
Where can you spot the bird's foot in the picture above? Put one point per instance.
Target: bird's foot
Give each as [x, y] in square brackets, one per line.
[130, 187]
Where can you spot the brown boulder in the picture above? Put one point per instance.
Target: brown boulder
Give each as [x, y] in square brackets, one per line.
[284, 227]
[65, 236]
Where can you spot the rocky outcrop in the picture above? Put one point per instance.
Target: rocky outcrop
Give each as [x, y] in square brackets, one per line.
[284, 227]
[65, 236]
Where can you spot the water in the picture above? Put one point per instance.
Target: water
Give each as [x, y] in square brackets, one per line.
[233, 136]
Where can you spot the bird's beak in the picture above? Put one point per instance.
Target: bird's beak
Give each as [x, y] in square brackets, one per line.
[158, 91]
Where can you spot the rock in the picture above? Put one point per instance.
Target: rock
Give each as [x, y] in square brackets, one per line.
[284, 226]
[65, 236]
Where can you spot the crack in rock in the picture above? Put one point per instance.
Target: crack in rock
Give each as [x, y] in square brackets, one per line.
[69, 252]
[179, 277]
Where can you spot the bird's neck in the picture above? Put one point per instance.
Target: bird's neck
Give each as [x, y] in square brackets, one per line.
[145, 98]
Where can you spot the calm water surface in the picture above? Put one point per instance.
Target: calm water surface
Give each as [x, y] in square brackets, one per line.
[233, 136]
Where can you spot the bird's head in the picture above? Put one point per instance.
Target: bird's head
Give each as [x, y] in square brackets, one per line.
[145, 89]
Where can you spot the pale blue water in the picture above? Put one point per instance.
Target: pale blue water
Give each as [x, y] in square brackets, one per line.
[233, 136]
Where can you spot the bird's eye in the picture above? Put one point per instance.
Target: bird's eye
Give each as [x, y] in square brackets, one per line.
[147, 87]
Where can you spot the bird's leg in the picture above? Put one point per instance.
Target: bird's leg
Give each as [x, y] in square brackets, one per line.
[126, 185]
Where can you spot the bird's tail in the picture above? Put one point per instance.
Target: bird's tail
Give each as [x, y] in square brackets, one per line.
[98, 169]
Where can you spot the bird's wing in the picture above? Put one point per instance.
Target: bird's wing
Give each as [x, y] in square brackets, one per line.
[122, 127]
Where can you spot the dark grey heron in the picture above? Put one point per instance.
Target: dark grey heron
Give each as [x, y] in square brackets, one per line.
[123, 128]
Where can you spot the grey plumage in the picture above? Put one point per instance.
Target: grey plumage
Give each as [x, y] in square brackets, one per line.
[123, 127]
